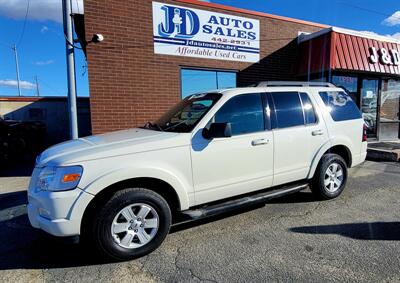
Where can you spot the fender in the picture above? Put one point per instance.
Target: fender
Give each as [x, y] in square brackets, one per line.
[122, 174]
[325, 147]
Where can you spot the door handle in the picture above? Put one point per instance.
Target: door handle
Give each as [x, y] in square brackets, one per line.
[317, 132]
[259, 142]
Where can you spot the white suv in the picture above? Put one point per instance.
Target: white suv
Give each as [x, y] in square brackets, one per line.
[122, 191]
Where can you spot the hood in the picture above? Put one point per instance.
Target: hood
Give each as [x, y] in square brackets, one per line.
[110, 144]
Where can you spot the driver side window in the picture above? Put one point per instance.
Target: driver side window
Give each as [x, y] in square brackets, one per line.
[244, 112]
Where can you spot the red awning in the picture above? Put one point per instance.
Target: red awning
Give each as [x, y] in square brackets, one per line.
[338, 49]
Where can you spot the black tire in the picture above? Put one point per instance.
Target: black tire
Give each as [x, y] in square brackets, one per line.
[318, 186]
[100, 233]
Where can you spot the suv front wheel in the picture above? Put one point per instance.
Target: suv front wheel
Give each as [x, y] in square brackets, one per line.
[330, 177]
[132, 223]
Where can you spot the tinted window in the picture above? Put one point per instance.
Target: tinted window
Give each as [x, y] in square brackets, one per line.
[340, 105]
[309, 112]
[288, 109]
[244, 112]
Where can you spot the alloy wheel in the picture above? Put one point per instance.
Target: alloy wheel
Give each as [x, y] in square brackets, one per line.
[135, 225]
[333, 177]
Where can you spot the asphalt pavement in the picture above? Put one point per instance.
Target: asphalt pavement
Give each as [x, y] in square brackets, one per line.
[354, 238]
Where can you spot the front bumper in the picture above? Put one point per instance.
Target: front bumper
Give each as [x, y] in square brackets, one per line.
[57, 213]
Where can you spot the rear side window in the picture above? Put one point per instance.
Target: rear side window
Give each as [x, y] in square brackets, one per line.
[340, 105]
[288, 109]
[309, 112]
[244, 112]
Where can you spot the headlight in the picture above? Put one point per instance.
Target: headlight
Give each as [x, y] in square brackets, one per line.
[59, 178]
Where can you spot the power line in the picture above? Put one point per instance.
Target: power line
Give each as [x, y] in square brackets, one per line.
[53, 89]
[23, 27]
[368, 10]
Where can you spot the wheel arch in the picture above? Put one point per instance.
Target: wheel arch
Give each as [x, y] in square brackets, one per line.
[340, 148]
[175, 189]
[159, 186]
[342, 151]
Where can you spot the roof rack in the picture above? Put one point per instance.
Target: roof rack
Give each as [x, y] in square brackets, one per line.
[294, 83]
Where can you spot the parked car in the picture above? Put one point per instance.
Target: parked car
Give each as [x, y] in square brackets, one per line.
[18, 138]
[211, 153]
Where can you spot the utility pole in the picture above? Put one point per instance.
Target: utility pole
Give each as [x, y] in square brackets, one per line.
[37, 87]
[73, 117]
[14, 48]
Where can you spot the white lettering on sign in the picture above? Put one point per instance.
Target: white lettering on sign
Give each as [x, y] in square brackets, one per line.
[373, 57]
[396, 56]
[384, 56]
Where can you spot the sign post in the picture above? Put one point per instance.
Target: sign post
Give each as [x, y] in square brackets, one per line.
[72, 108]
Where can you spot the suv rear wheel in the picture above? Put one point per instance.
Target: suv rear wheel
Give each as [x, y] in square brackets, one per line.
[133, 223]
[330, 177]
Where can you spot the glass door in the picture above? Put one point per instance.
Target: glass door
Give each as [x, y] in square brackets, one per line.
[369, 105]
[389, 110]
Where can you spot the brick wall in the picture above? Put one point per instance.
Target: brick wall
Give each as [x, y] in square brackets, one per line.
[130, 85]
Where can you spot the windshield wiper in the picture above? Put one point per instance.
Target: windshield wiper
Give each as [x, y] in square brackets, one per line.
[150, 125]
[174, 126]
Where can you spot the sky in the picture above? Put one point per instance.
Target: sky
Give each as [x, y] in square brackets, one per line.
[41, 44]
[40, 47]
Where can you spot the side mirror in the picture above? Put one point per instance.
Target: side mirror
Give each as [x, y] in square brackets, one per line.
[218, 130]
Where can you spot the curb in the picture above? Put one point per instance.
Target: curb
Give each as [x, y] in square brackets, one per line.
[383, 155]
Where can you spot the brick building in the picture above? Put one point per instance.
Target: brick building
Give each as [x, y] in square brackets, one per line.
[156, 52]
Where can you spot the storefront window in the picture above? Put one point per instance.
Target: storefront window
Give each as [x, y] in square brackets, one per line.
[389, 110]
[348, 83]
[194, 81]
[390, 101]
[369, 104]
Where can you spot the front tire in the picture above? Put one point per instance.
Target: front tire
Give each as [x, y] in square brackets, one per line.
[330, 177]
[132, 223]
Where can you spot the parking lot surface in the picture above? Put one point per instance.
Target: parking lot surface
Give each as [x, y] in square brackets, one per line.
[355, 238]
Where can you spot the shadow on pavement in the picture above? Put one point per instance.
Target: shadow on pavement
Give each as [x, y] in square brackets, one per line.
[299, 197]
[179, 226]
[23, 247]
[13, 199]
[383, 231]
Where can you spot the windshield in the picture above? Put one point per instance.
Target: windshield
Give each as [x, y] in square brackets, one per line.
[185, 115]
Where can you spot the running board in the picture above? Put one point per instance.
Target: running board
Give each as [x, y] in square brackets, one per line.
[230, 205]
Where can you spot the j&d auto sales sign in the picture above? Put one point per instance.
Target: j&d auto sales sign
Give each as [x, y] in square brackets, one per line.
[197, 33]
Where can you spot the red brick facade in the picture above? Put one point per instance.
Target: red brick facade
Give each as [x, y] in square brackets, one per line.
[130, 85]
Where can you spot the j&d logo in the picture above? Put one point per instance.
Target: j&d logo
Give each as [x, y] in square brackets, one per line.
[179, 23]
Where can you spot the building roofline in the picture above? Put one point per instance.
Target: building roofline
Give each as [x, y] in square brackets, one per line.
[250, 12]
[35, 98]
[306, 37]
